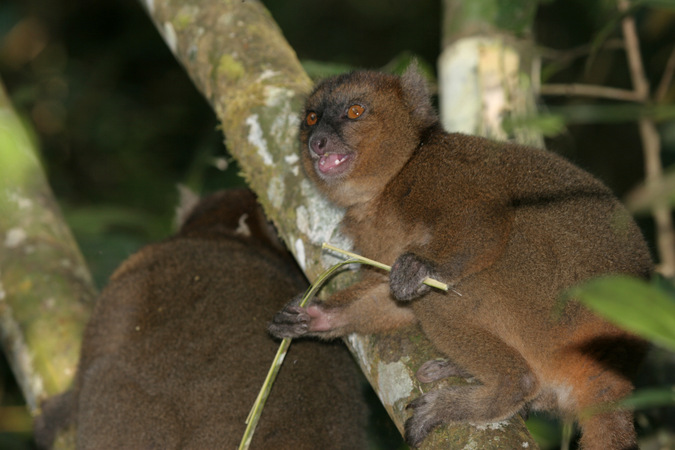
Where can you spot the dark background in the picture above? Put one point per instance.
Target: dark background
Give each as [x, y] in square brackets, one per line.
[120, 124]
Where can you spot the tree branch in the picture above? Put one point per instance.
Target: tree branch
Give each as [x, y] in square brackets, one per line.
[581, 51]
[666, 78]
[640, 84]
[587, 90]
[46, 291]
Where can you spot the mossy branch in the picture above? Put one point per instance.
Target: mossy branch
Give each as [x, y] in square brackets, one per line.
[46, 291]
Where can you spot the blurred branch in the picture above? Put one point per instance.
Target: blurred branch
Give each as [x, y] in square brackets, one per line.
[666, 79]
[580, 51]
[45, 288]
[640, 84]
[651, 143]
[588, 90]
[560, 59]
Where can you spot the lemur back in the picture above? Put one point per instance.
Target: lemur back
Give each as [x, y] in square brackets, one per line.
[177, 349]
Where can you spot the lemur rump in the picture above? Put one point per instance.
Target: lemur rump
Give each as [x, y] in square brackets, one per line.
[509, 227]
[176, 349]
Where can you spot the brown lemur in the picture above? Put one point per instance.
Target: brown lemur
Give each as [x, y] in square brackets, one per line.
[509, 227]
[177, 348]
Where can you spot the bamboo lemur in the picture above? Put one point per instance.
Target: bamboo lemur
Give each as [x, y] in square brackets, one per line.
[510, 227]
[177, 348]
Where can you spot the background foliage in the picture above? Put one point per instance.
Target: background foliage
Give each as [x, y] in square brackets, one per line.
[120, 124]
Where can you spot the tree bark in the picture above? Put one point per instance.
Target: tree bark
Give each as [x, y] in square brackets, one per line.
[487, 74]
[46, 291]
[238, 58]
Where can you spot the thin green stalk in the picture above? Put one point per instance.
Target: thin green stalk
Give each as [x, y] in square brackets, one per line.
[362, 260]
[256, 410]
[568, 429]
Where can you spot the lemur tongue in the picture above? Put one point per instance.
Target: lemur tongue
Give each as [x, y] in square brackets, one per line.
[330, 161]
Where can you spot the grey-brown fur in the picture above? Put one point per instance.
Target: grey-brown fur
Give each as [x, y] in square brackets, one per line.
[510, 227]
[177, 348]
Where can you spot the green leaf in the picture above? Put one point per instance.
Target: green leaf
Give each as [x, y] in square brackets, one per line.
[612, 23]
[545, 431]
[632, 304]
[547, 124]
[650, 398]
[318, 69]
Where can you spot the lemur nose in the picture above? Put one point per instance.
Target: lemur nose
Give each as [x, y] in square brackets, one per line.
[318, 144]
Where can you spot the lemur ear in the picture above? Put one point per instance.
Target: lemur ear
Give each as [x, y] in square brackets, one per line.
[417, 96]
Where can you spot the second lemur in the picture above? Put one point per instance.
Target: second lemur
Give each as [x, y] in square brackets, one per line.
[509, 227]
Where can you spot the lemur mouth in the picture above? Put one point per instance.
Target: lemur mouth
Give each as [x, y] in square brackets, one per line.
[333, 163]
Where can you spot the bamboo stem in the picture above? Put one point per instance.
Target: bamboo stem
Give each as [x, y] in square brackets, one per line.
[428, 281]
[256, 410]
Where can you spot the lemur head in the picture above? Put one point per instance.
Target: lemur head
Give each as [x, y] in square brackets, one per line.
[359, 129]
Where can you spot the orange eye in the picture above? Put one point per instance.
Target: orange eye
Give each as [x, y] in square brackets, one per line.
[312, 118]
[355, 111]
